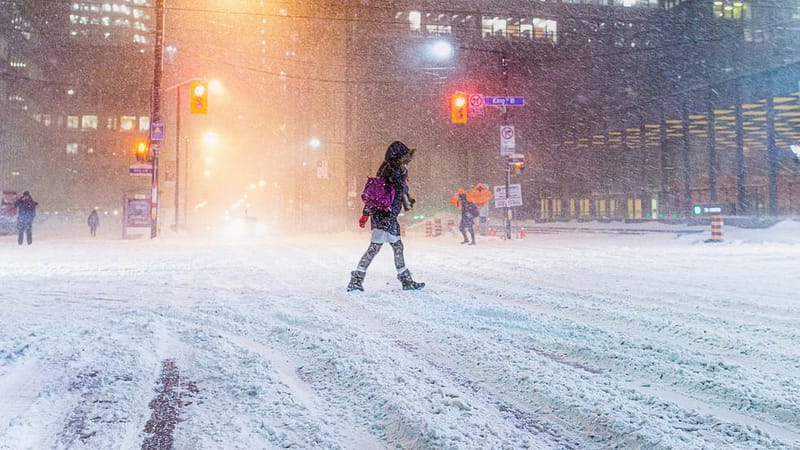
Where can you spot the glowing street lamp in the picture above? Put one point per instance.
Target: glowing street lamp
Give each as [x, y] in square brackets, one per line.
[210, 139]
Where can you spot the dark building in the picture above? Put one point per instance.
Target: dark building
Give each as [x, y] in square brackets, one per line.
[630, 107]
[77, 88]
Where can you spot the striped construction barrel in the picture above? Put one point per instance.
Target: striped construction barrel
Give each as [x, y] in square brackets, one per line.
[716, 228]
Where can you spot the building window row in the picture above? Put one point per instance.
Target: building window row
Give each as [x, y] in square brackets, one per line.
[90, 122]
[732, 9]
[73, 148]
[491, 26]
[519, 28]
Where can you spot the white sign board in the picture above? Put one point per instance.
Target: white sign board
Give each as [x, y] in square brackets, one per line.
[475, 105]
[507, 140]
[514, 198]
[141, 170]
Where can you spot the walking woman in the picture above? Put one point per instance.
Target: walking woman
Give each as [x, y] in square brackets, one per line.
[384, 224]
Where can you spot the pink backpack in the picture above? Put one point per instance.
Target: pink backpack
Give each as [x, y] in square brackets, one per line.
[378, 193]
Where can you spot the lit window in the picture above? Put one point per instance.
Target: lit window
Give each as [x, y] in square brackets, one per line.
[729, 9]
[545, 29]
[144, 123]
[72, 148]
[493, 26]
[415, 20]
[72, 122]
[127, 123]
[89, 123]
[46, 120]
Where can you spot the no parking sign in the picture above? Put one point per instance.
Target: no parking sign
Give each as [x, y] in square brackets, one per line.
[507, 140]
[476, 105]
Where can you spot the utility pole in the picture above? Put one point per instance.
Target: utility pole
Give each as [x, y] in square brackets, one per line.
[155, 115]
[504, 67]
[177, 154]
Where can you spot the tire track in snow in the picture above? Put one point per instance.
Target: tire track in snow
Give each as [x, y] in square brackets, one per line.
[173, 394]
[536, 425]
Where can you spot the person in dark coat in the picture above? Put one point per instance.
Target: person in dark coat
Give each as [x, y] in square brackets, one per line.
[384, 224]
[468, 213]
[26, 211]
[94, 222]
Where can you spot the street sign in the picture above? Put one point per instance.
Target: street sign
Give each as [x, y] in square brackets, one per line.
[476, 105]
[514, 198]
[703, 210]
[503, 101]
[141, 170]
[157, 131]
[507, 140]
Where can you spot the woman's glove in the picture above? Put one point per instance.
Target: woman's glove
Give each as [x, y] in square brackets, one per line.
[363, 220]
[408, 202]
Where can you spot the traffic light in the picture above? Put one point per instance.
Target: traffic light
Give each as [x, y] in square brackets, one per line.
[516, 163]
[458, 107]
[142, 150]
[199, 94]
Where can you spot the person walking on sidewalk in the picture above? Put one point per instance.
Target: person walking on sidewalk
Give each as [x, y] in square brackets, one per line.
[26, 212]
[94, 222]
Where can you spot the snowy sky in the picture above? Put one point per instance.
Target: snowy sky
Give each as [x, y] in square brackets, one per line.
[586, 338]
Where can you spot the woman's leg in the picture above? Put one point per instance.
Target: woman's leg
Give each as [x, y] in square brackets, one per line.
[366, 259]
[399, 259]
[357, 276]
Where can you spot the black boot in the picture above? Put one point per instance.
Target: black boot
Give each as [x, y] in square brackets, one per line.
[356, 278]
[408, 283]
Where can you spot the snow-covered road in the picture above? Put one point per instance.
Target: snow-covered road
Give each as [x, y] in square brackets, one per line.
[566, 340]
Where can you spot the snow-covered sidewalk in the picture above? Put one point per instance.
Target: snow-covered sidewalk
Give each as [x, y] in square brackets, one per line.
[560, 340]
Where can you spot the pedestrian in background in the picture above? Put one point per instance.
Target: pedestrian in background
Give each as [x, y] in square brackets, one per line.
[468, 213]
[94, 222]
[26, 211]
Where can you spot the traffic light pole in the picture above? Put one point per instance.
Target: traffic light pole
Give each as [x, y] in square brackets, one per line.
[507, 209]
[177, 154]
[155, 116]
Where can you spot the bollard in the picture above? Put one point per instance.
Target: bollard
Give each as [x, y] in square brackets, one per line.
[428, 228]
[522, 232]
[492, 232]
[716, 228]
[437, 231]
[451, 225]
